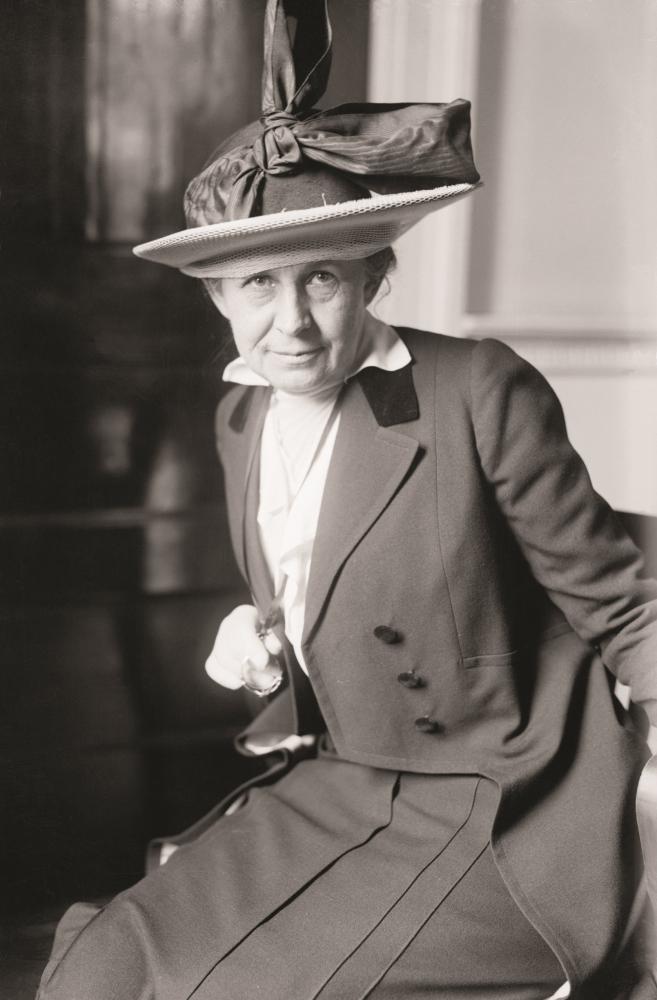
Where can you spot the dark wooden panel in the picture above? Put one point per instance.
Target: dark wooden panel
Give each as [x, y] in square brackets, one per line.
[111, 733]
[165, 83]
[113, 673]
[115, 564]
[110, 371]
[73, 824]
[118, 549]
[42, 99]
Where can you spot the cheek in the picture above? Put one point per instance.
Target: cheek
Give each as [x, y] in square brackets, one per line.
[248, 330]
[343, 325]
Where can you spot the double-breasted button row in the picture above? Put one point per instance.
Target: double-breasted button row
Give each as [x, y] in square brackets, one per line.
[425, 724]
[407, 678]
[387, 634]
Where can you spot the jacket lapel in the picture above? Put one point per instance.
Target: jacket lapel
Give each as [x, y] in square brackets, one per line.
[258, 574]
[238, 453]
[368, 464]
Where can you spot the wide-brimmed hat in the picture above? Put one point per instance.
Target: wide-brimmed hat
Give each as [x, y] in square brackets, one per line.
[301, 184]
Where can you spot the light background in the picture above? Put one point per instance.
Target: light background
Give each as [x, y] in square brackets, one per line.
[557, 253]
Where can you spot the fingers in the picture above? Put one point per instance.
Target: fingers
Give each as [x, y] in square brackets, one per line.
[223, 673]
[273, 644]
[237, 640]
[256, 652]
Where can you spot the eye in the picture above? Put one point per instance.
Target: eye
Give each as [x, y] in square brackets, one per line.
[321, 278]
[322, 283]
[259, 288]
[259, 282]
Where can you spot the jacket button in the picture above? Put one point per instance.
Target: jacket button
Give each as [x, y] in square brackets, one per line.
[387, 634]
[426, 724]
[409, 679]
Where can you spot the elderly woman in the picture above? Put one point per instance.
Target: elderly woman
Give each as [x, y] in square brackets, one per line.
[438, 592]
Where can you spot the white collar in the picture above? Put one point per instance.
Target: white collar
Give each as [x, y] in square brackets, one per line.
[387, 351]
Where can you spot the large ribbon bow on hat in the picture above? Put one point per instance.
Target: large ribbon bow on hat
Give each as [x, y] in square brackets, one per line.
[385, 148]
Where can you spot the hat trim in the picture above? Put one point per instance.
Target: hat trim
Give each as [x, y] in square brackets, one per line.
[194, 237]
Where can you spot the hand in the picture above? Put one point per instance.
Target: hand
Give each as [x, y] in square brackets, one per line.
[237, 641]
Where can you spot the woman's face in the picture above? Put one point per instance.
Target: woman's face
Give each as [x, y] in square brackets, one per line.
[300, 326]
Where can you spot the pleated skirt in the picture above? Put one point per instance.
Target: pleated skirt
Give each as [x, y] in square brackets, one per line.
[338, 881]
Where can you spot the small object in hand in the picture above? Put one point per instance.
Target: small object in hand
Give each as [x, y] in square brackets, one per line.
[259, 680]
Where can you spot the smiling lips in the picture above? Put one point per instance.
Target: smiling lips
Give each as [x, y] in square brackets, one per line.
[294, 358]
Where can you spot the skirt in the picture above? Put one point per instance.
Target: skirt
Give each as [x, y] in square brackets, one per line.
[338, 881]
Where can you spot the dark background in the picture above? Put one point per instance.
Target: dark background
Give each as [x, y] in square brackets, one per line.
[115, 567]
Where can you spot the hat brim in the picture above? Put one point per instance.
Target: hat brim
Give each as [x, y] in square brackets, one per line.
[347, 231]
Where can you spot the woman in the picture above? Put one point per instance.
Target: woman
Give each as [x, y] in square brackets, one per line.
[448, 811]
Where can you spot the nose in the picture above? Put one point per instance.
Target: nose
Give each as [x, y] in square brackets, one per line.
[292, 311]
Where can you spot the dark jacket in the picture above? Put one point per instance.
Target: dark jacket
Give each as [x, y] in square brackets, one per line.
[457, 516]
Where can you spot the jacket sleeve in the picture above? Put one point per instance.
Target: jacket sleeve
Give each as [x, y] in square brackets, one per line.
[572, 540]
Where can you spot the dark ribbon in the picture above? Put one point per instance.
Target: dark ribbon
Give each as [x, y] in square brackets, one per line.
[389, 147]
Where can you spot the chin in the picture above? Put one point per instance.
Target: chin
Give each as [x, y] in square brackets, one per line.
[297, 385]
[299, 379]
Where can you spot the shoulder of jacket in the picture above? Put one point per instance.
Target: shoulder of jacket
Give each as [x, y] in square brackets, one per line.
[496, 365]
[475, 368]
[423, 343]
[226, 407]
[458, 357]
[458, 354]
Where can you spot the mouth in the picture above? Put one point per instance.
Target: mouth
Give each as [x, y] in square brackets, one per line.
[296, 357]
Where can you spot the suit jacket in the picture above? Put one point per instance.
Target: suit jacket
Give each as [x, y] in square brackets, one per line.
[470, 598]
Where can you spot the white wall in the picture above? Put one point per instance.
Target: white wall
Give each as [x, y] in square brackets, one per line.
[557, 253]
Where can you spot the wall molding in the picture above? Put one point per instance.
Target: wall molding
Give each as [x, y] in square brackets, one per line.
[574, 344]
[582, 357]
[562, 325]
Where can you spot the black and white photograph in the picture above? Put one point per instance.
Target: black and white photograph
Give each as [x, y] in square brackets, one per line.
[328, 514]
